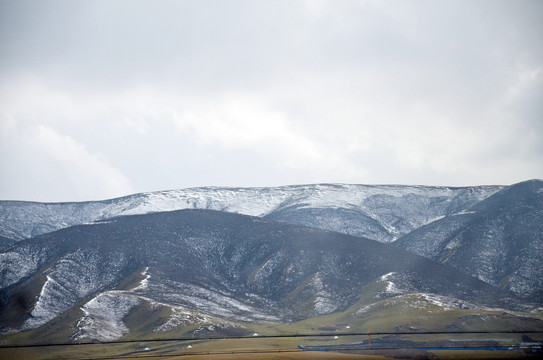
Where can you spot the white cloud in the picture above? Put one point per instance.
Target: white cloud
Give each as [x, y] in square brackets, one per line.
[84, 172]
[58, 168]
[177, 94]
[246, 122]
[524, 81]
[243, 121]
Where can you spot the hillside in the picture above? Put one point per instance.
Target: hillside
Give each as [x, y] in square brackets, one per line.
[199, 267]
[499, 240]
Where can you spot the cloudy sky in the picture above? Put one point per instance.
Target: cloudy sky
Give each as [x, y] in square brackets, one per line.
[100, 99]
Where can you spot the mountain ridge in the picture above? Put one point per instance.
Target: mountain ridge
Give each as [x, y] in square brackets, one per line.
[387, 211]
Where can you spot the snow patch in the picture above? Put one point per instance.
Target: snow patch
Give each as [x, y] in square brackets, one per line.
[386, 276]
[73, 278]
[324, 302]
[42, 312]
[181, 317]
[464, 212]
[104, 314]
[144, 283]
[390, 287]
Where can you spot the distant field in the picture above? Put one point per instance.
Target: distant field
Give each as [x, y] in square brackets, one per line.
[440, 346]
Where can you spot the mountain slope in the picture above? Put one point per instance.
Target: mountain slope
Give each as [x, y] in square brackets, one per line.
[6, 242]
[379, 212]
[198, 265]
[499, 240]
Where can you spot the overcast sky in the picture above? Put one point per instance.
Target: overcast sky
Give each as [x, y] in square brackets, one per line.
[100, 99]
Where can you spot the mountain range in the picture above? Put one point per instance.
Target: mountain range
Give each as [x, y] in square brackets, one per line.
[379, 212]
[244, 260]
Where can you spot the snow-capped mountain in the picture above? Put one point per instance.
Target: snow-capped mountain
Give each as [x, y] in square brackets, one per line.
[378, 212]
[499, 240]
[201, 266]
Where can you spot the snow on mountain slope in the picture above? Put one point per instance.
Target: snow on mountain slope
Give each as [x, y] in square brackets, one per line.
[73, 277]
[499, 240]
[380, 212]
[19, 263]
[218, 264]
[103, 316]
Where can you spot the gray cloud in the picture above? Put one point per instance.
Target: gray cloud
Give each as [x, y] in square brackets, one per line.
[168, 94]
